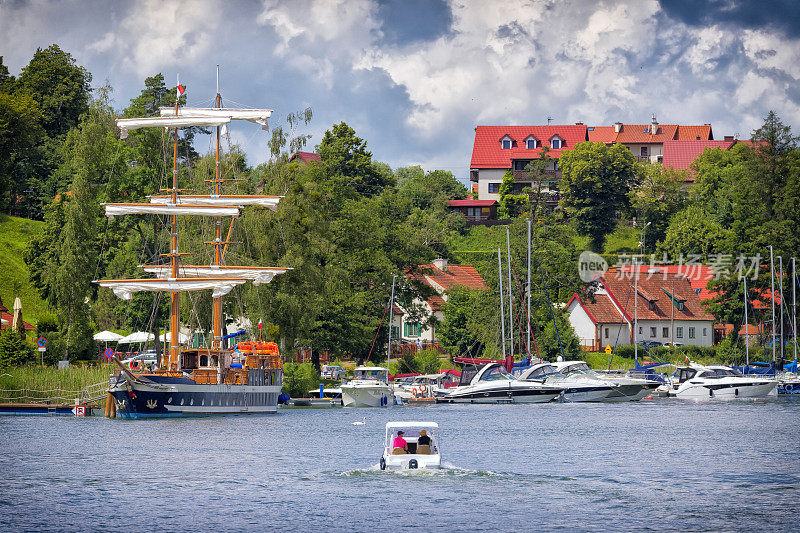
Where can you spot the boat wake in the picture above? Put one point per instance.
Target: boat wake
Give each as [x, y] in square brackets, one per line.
[447, 469]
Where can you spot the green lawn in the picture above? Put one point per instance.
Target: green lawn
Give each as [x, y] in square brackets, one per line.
[14, 234]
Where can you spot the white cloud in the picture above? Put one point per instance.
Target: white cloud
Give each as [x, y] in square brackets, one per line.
[769, 50]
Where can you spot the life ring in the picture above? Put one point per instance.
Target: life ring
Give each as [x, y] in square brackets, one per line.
[134, 365]
[415, 392]
[789, 387]
[423, 388]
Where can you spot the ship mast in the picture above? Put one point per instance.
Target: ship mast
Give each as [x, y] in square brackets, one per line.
[217, 312]
[174, 297]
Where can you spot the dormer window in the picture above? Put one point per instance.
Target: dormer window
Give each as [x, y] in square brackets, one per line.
[531, 142]
[556, 142]
[506, 143]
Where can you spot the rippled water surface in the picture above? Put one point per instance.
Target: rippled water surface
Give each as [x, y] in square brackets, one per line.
[657, 465]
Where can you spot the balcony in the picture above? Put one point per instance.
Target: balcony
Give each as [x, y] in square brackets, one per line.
[522, 175]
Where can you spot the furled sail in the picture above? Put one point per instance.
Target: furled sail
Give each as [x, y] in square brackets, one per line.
[127, 124]
[257, 116]
[258, 275]
[113, 210]
[124, 288]
[270, 202]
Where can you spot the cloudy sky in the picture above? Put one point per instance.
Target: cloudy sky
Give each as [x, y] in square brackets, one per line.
[414, 77]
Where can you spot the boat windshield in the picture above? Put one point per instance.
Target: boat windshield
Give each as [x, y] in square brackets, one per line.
[578, 369]
[379, 375]
[718, 373]
[495, 374]
[545, 371]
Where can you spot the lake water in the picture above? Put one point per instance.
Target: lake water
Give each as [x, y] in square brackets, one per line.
[664, 464]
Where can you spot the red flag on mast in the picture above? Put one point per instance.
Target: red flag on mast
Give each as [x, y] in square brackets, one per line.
[260, 323]
[181, 90]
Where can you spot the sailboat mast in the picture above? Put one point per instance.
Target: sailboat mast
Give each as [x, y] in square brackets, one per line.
[794, 308]
[636, 309]
[528, 337]
[780, 288]
[174, 297]
[746, 328]
[391, 317]
[510, 299]
[217, 310]
[772, 283]
[502, 315]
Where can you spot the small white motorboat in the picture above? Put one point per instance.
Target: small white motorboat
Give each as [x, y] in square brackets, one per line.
[493, 384]
[717, 381]
[368, 388]
[413, 455]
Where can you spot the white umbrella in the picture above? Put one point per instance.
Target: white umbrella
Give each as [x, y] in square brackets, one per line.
[108, 336]
[139, 336]
[182, 338]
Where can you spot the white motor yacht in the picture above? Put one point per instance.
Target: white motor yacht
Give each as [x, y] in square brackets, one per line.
[493, 384]
[624, 388]
[413, 455]
[368, 388]
[426, 386]
[577, 387]
[717, 381]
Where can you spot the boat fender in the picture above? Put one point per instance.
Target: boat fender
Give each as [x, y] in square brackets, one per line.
[413, 464]
[383, 463]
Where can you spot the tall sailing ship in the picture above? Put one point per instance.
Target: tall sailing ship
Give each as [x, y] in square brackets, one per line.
[198, 381]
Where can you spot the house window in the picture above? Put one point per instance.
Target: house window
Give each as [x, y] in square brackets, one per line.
[643, 151]
[665, 332]
[679, 306]
[505, 143]
[555, 143]
[679, 332]
[395, 332]
[520, 164]
[640, 330]
[653, 333]
[412, 329]
[691, 333]
[705, 332]
[606, 333]
[530, 144]
[651, 304]
[494, 188]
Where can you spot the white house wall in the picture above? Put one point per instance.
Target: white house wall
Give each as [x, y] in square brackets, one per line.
[583, 326]
[615, 335]
[486, 176]
[703, 332]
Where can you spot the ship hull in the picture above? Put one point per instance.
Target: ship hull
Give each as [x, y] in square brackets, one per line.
[136, 400]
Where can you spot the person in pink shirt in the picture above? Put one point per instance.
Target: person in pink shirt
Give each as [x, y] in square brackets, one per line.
[399, 441]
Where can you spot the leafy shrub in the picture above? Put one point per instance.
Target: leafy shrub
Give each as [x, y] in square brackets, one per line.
[14, 351]
[299, 378]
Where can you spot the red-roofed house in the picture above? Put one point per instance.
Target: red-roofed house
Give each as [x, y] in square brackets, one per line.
[441, 277]
[646, 141]
[475, 211]
[667, 309]
[305, 157]
[7, 319]
[498, 149]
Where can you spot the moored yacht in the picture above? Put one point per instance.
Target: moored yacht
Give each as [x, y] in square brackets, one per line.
[577, 387]
[368, 388]
[493, 384]
[624, 389]
[717, 381]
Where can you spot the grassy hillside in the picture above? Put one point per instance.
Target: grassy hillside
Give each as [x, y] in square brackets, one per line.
[14, 234]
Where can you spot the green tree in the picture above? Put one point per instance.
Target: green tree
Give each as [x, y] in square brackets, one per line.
[14, 351]
[20, 131]
[348, 163]
[596, 182]
[61, 87]
[661, 194]
[511, 205]
[692, 231]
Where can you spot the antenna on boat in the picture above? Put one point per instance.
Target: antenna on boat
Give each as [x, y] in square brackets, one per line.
[772, 282]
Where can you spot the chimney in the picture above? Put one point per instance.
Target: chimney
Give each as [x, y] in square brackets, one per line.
[579, 123]
[728, 138]
[441, 264]
[617, 127]
[654, 126]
